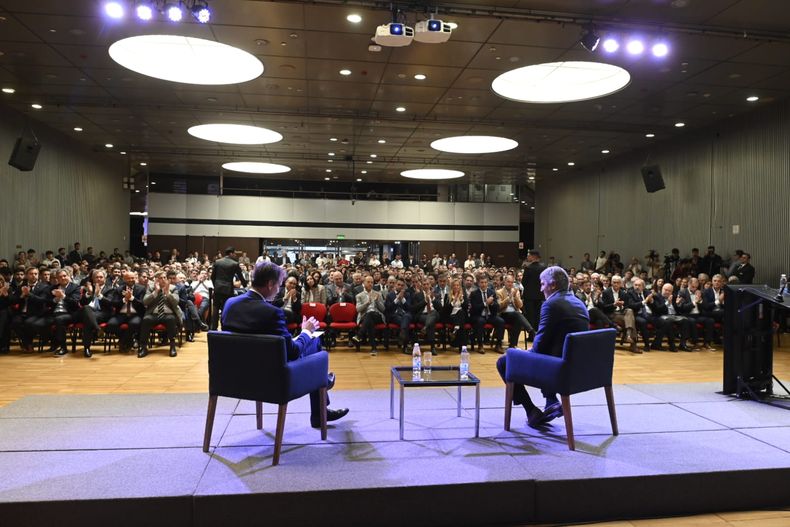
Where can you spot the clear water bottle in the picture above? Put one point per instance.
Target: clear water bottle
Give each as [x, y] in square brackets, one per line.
[416, 360]
[427, 360]
[464, 367]
[783, 284]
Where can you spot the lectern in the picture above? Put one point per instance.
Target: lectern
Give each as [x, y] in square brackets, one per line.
[749, 313]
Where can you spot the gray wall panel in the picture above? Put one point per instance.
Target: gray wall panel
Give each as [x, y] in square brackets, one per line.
[71, 195]
[737, 173]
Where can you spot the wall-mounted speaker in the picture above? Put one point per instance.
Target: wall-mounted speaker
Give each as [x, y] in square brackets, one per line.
[25, 154]
[652, 178]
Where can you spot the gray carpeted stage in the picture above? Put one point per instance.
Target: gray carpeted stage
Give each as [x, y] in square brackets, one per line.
[137, 460]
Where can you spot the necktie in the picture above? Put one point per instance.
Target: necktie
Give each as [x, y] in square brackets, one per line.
[159, 310]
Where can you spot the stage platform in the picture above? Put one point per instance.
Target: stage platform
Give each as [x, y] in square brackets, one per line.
[120, 460]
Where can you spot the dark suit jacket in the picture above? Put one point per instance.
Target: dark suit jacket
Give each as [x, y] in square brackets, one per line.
[391, 308]
[108, 300]
[531, 281]
[560, 314]
[138, 293]
[296, 305]
[606, 301]
[72, 299]
[223, 273]
[250, 313]
[709, 299]
[745, 273]
[38, 301]
[476, 302]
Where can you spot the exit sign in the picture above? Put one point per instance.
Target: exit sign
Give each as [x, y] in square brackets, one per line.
[341, 236]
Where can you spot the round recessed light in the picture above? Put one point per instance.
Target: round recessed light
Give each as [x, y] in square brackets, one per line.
[330, 153]
[36, 106]
[650, 135]
[143, 164]
[452, 25]
[680, 124]
[369, 162]
[561, 82]
[752, 98]
[123, 153]
[333, 139]
[186, 59]
[328, 170]
[555, 169]
[660, 49]
[345, 72]
[108, 145]
[604, 151]
[237, 134]
[77, 129]
[420, 77]
[381, 141]
[635, 47]
[374, 156]
[432, 173]
[571, 163]
[610, 45]
[363, 171]
[354, 18]
[400, 109]
[359, 179]
[474, 144]
[9, 90]
[255, 167]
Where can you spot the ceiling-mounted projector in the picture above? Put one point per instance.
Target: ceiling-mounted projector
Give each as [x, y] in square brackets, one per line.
[432, 31]
[393, 35]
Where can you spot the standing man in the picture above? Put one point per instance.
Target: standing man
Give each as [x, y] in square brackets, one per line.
[253, 312]
[533, 298]
[223, 273]
[560, 314]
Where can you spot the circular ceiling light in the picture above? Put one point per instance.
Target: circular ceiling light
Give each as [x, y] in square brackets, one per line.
[752, 98]
[420, 77]
[474, 144]
[354, 18]
[237, 134]
[255, 167]
[555, 82]
[186, 59]
[432, 173]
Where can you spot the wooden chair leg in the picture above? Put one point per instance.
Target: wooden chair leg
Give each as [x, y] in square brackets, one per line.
[212, 409]
[612, 413]
[278, 435]
[322, 398]
[566, 412]
[259, 414]
[508, 404]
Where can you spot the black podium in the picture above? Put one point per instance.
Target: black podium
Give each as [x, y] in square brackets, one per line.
[749, 314]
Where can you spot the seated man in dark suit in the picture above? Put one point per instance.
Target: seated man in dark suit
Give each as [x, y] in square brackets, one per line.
[560, 314]
[252, 312]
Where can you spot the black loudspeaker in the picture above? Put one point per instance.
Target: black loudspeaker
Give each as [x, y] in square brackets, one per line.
[652, 178]
[25, 153]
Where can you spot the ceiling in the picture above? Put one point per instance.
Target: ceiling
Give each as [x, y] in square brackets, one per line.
[55, 53]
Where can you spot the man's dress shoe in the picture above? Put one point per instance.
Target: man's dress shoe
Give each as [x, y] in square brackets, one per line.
[330, 380]
[331, 415]
[552, 411]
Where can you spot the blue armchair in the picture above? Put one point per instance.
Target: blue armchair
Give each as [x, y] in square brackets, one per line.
[586, 363]
[256, 368]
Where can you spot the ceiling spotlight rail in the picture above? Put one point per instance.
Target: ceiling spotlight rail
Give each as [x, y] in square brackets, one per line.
[569, 18]
[146, 10]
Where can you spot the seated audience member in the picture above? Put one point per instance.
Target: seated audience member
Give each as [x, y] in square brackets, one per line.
[670, 322]
[252, 312]
[5, 313]
[313, 291]
[338, 290]
[591, 298]
[639, 301]
[425, 311]
[289, 300]
[560, 314]
[456, 306]
[612, 303]
[129, 311]
[713, 299]
[186, 302]
[692, 300]
[202, 286]
[64, 310]
[510, 304]
[397, 310]
[161, 307]
[98, 300]
[483, 310]
[32, 298]
[370, 311]
[744, 271]
[469, 263]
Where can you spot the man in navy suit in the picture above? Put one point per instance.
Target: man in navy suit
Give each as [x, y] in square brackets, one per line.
[560, 314]
[252, 312]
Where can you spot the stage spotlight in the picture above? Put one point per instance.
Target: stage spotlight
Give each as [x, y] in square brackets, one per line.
[113, 9]
[145, 11]
[611, 45]
[660, 49]
[174, 12]
[635, 47]
[590, 40]
[201, 12]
